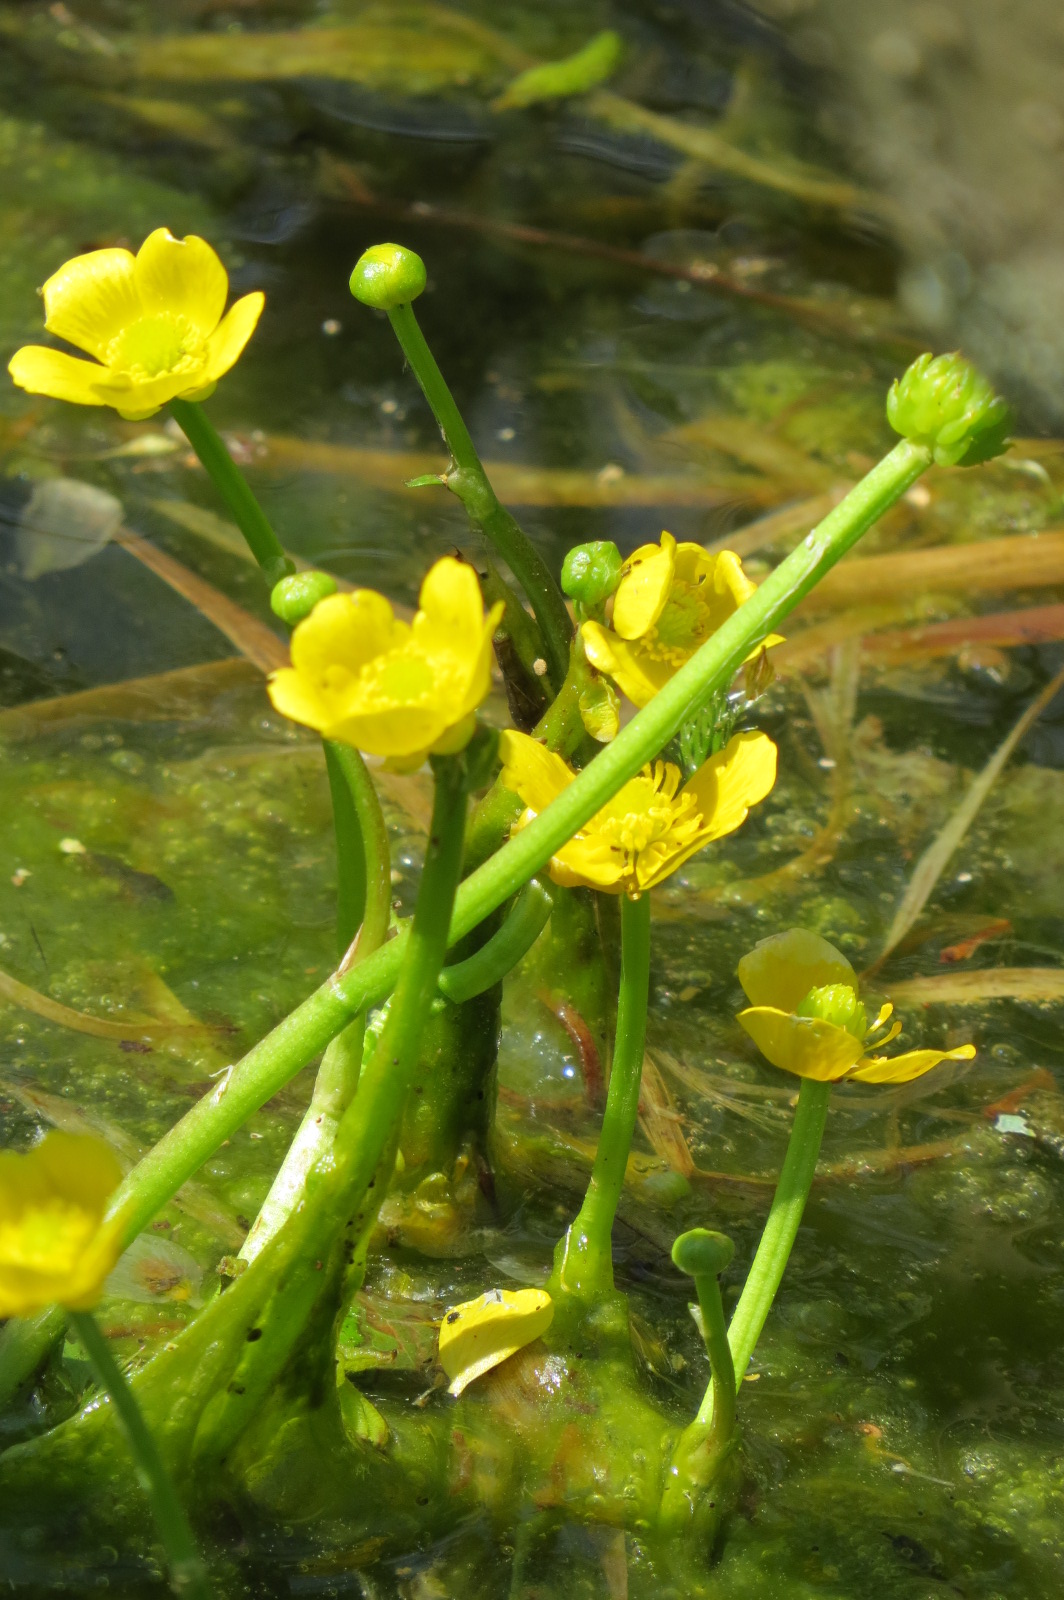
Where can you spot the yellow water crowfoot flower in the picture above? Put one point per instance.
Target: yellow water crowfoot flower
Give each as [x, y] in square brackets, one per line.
[395, 689]
[481, 1333]
[669, 601]
[54, 1244]
[152, 321]
[806, 1018]
[651, 826]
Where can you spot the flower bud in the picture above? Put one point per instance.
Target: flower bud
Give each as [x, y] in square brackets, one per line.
[296, 596]
[946, 404]
[388, 275]
[702, 1253]
[838, 1004]
[591, 572]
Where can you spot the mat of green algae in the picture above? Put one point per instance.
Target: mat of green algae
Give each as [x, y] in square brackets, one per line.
[902, 1421]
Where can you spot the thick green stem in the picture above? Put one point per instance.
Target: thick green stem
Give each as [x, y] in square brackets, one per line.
[308, 1029]
[363, 907]
[233, 488]
[788, 1203]
[468, 480]
[584, 1261]
[528, 917]
[188, 1575]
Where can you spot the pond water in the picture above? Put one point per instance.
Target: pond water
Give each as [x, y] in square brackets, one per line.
[646, 327]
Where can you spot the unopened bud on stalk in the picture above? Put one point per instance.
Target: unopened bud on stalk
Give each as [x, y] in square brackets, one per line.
[702, 1253]
[388, 275]
[946, 404]
[591, 572]
[296, 596]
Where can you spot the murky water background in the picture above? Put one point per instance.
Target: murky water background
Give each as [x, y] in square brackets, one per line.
[640, 336]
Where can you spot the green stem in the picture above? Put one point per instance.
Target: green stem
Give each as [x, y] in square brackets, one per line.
[489, 965]
[584, 1261]
[308, 1029]
[233, 488]
[364, 894]
[363, 907]
[373, 1116]
[468, 480]
[721, 1391]
[788, 1203]
[704, 1445]
[188, 1575]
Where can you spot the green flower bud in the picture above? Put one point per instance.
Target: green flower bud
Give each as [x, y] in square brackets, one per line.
[702, 1253]
[591, 572]
[836, 1003]
[296, 596]
[943, 402]
[388, 275]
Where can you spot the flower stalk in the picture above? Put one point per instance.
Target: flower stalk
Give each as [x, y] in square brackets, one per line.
[188, 1574]
[234, 489]
[584, 1258]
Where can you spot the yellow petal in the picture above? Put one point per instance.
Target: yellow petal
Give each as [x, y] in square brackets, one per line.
[638, 674]
[729, 783]
[226, 343]
[63, 377]
[346, 631]
[183, 276]
[904, 1068]
[481, 1333]
[91, 299]
[137, 398]
[531, 771]
[295, 695]
[588, 862]
[806, 1046]
[781, 970]
[396, 731]
[54, 1246]
[478, 685]
[644, 589]
[451, 613]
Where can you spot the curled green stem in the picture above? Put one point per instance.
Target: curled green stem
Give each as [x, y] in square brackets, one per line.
[468, 480]
[188, 1575]
[233, 488]
[584, 1259]
[528, 917]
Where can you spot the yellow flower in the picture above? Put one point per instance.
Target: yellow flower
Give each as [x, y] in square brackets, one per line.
[54, 1244]
[481, 1333]
[648, 829]
[670, 599]
[153, 321]
[805, 1016]
[396, 689]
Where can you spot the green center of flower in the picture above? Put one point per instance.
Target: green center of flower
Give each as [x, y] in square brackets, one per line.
[153, 345]
[684, 624]
[838, 1004]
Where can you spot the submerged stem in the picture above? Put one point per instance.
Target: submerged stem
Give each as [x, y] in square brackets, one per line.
[233, 488]
[584, 1262]
[468, 480]
[188, 1574]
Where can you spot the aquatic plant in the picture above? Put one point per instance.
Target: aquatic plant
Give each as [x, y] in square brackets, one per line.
[406, 1024]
